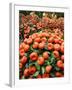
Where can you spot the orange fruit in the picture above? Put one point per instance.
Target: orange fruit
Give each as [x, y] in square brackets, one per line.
[58, 74]
[56, 40]
[43, 39]
[50, 46]
[41, 45]
[56, 54]
[50, 40]
[32, 69]
[35, 45]
[37, 39]
[21, 52]
[33, 56]
[34, 36]
[26, 47]
[26, 72]
[23, 60]
[40, 60]
[48, 68]
[56, 47]
[20, 47]
[29, 41]
[59, 64]
[44, 34]
[45, 55]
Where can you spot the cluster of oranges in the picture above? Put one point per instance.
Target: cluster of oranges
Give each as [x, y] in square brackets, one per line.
[42, 56]
[32, 23]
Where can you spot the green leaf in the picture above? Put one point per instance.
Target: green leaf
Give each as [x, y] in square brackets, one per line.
[57, 69]
[47, 62]
[52, 74]
[26, 54]
[37, 66]
[48, 52]
[43, 70]
[31, 63]
[52, 58]
[31, 48]
[35, 74]
[35, 50]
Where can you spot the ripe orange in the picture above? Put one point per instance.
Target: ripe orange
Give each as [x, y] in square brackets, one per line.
[45, 55]
[41, 45]
[20, 47]
[50, 46]
[35, 45]
[34, 36]
[56, 54]
[26, 47]
[43, 39]
[44, 34]
[29, 41]
[56, 40]
[59, 64]
[58, 74]
[26, 72]
[57, 47]
[48, 68]
[21, 52]
[37, 39]
[40, 60]
[50, 40]
[33, 56]
[23, 44]
[23, 60]
[32, 69]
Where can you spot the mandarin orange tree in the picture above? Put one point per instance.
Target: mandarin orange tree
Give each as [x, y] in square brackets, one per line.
[41, 46]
